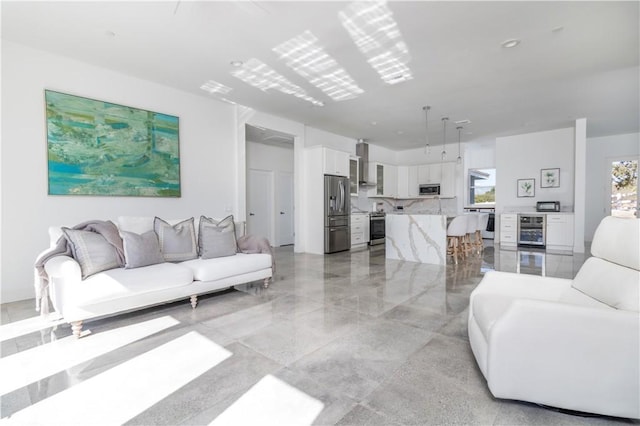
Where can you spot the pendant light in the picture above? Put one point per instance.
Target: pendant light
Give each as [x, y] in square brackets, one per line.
[427, 147]
[444, 137]
[459, 159]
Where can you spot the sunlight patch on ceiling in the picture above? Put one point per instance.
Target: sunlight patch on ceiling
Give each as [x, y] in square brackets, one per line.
[305, 56]
[260, 75]
[376, 34]
[212, 86]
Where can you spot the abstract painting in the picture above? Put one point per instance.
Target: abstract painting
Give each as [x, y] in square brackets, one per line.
[101, 148]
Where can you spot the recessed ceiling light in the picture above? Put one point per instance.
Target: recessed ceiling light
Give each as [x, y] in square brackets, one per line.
[109, 33]
[466, 121]
[400, 132]
[373, 123]
[508, 44]
[236, 63]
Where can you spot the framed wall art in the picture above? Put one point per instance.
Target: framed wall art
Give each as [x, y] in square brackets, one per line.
[549, 178]
[526, 187]
[100, 148]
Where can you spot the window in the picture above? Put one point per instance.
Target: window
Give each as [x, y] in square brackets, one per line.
[482, 186]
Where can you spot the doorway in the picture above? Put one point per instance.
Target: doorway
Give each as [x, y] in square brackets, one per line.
[623, 187]
[270, 184]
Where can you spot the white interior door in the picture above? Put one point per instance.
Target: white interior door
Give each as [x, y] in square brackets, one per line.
[284, 210]
[260, 204]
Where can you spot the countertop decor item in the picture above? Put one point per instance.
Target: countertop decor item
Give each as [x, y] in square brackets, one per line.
[526, 187]
[549, 178]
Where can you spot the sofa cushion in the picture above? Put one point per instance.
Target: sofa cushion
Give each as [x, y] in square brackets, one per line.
[92, 251]
[217, 238]
[118, 283]
[141, 224]
[141, 249]
[177, 242]
[224, 267]
[609, 283]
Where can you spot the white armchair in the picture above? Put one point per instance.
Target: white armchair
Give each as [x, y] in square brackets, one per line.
[572, 344]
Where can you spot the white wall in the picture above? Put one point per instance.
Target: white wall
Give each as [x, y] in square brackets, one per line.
[207, 150]
[600, 153]
[523, 156]
[330, 140]
[269, 157]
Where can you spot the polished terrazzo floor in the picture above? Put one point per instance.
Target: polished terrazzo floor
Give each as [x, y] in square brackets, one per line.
[349, 338]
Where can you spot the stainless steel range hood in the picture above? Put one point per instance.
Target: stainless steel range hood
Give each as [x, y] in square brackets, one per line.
[362, 151]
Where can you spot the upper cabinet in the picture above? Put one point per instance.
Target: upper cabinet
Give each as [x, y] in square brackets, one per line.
[353, 175]
[386, 178]
[335, 162]
[407, 181]
[443, 174]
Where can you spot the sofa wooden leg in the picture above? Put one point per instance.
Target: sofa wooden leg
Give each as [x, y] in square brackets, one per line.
[194, 301]
[76, 328]
[266, 282]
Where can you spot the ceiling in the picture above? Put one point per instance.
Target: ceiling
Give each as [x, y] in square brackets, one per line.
[576, 59]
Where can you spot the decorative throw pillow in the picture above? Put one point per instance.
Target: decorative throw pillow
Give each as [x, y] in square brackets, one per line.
[177, 242]
[217, 238]
[92, 251]
[141, 249]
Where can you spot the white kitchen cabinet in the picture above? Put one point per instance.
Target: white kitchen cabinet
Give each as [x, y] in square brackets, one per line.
[448, 180]
[359, 229]
[353, 175]
[335, 162]
[508, 229]
[439, 173]
[390, 181]
[386, 178]
[407, 181]
[560, 231]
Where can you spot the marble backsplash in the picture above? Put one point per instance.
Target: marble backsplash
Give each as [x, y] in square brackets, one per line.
[362, 203]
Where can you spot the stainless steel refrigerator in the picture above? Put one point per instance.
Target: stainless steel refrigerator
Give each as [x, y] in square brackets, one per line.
[337, 211]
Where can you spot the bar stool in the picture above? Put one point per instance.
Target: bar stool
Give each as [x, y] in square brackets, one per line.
[483, 219]
[470, 236]
[456, 232]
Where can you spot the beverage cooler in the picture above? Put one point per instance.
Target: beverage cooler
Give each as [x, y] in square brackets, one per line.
[531, 231]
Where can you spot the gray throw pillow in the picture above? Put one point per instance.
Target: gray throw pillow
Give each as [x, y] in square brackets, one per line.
[92, 251]
[217, 238]
[141, 249]
[177, 242]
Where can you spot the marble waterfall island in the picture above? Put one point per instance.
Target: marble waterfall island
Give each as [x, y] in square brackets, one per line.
[416, 238]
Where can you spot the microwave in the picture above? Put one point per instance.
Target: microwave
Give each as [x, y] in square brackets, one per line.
[429, 189]
[548, 206]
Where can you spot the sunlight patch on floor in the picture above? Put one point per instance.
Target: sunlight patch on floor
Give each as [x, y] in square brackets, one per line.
[43, 361]
[124, 391]
[29, 325]
[271, 402]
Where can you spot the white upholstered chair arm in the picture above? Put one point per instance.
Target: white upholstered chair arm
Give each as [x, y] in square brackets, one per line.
[521, 285]
[559, 351]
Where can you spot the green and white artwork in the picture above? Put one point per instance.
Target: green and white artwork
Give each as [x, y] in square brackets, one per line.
[101, 148]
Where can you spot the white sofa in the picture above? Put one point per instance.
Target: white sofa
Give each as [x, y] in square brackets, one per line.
[121, 290]
[572, 344]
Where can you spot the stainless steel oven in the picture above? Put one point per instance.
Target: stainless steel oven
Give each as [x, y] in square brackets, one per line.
[376, 228]
[531, 230]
